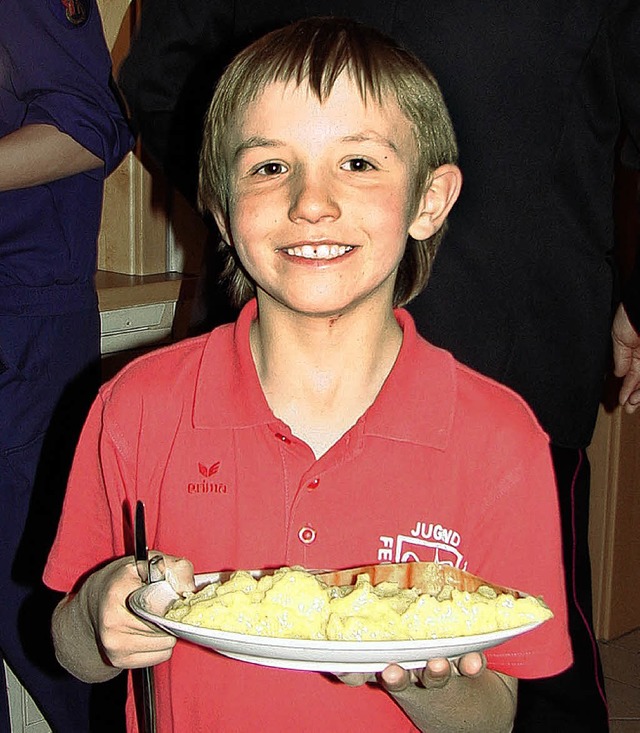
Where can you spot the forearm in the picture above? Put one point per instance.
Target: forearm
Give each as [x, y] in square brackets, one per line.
[75, 641]
[38, 154]
[484, 704]
[77, 638]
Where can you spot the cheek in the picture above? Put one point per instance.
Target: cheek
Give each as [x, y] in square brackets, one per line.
[392, 223]
[246, 223]
[393, 220]
[255, 214]
[394, 204]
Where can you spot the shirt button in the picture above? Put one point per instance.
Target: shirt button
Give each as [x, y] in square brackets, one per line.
[282, 437]
[307, 535]
[313, 484]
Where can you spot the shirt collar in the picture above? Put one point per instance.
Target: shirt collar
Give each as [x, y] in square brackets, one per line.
[228, 392]
[416, 403]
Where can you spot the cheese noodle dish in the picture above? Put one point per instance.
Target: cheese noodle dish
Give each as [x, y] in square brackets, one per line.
[294, 603]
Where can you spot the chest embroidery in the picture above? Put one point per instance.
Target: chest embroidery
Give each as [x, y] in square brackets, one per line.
[426, 542]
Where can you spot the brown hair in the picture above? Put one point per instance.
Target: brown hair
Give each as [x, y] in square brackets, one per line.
[317, 51]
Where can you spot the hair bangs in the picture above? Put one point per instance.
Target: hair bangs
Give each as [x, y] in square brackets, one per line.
[317, 54]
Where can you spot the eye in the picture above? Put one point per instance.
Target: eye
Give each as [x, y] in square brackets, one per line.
[271, 169]
[357, 165]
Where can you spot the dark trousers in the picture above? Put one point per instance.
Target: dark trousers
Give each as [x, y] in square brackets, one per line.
[574, 701]
[49, 374]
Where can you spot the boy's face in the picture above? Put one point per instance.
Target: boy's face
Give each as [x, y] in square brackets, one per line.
[320, 204]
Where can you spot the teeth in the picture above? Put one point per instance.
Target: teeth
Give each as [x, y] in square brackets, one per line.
[319, 251]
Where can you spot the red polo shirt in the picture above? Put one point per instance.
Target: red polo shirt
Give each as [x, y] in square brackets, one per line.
[445, 465]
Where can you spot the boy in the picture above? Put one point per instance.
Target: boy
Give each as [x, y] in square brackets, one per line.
[319, 429]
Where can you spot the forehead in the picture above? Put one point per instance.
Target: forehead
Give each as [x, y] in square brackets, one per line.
[288, 109]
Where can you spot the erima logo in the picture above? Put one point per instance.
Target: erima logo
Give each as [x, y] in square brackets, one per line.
[207, 471]
[207, 487]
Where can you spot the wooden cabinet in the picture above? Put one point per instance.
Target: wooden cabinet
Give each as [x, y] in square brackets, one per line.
[150, 242]
[615, 462]
[615, 519]
[147, 227]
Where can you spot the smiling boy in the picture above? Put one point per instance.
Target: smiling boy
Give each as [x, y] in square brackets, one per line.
[319, 216]
[329, 164]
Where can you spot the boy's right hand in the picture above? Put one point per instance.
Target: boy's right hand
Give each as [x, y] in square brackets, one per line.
[94, 633]
[125, 640]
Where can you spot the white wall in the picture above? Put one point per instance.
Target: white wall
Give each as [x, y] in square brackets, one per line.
[25, 716]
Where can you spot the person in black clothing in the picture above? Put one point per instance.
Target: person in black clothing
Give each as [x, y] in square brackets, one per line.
[524, 288]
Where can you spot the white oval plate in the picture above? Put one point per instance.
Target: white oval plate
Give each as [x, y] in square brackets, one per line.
[152, 601]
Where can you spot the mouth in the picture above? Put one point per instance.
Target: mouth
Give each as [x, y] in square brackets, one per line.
[318, 251]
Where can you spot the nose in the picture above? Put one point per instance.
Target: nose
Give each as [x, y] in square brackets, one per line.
[313, 198]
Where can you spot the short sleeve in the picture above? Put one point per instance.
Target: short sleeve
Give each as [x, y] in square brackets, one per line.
[58, 69]
[95, 506]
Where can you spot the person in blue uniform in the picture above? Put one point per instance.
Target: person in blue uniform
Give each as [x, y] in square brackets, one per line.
[62, 131]
[524, 287]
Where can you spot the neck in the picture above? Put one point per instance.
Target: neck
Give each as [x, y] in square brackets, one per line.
[320, 374]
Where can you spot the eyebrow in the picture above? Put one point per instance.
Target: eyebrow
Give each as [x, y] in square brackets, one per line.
[371, 136]
[256, 141]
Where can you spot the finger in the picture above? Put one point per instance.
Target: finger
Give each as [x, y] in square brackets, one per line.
[153, 643]
[355, 679]
[632, 402]
[178, 572]
[131, 659]
[157, 570]
[125, 622]
[621, 359]
[149, 629]
[128, 648]
[149, 660]
[472, 665]
[436, 673]
[395, 679]
[630, 386]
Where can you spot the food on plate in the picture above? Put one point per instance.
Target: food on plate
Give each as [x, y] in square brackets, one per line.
[295, 603]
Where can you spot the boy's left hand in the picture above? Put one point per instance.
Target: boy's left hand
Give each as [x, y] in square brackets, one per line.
[436, 674]
[449, 696]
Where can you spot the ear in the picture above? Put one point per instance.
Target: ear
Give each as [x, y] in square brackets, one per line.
[436, 202]
[223, 225]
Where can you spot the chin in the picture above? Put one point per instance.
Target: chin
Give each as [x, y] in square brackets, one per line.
[331, 304]
[325, 309]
